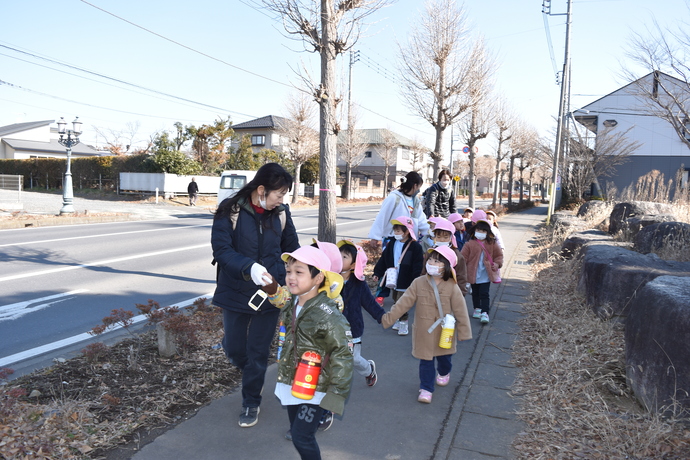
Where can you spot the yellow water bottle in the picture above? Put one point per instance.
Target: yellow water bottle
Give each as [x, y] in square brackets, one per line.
[447, 332]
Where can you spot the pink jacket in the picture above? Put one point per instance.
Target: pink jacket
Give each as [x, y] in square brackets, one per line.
[472, 250]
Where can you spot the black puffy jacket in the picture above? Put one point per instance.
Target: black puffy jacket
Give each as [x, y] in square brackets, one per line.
[440, 202]
[256, 238]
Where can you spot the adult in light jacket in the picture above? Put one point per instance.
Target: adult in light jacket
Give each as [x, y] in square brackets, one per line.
[250, 232]
[440, 198]
[404, 201]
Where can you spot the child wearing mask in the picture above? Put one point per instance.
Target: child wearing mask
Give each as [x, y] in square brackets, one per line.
[403, 253]
[443, 236]
[434, 361]
[484, 258]
[459, 232]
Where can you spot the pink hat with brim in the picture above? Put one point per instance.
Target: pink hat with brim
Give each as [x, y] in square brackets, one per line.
[449, 255]
[406, 222]
[310, 256]
[361, 260]
[333, 253]
[444, 224]
[455, 217]
[478, 215]
[433, 219]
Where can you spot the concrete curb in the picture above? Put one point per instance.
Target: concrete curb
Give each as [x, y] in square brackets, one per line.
[66, 220]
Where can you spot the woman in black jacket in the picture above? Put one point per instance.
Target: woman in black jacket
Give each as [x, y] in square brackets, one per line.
[440, 199]
[250, 232]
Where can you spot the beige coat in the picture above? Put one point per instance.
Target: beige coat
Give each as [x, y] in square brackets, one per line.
[425, 345]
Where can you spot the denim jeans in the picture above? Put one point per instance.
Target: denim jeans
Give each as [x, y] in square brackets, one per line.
[427, 373]
[247, 344]
[480, 296]
[304, 421]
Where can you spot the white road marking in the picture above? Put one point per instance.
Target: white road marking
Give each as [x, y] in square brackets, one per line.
[99, 263]
[8, 360]
[101, 235]
[19, 309]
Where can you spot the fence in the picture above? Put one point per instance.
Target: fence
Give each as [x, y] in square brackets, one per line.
[10, 191]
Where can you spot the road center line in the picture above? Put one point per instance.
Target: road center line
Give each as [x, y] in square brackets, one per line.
[101, 262]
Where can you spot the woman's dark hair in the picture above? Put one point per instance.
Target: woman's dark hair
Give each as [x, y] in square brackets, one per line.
[483, 226]
[271, 175]
[444, 172]
[411, 179]
[446, 264]
[350, 250]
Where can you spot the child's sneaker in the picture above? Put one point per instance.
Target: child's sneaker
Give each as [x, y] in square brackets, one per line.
[477, 313]
[485, 318]
[396, 326]
[326, 420]
[402, 329]
[424, 397]
[442, 380]
[372, 378]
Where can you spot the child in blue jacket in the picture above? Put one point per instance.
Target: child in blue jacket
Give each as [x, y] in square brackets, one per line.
[356, 295]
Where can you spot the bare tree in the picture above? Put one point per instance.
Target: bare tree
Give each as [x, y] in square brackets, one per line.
[301, 140]
[389, 155]
[417, 155]
[119, 142]
[505, 126]
[593, 157]
[435, 68]
[664, 93]
[351, 147]
[524, 141]
[484, 167]
[330, 28]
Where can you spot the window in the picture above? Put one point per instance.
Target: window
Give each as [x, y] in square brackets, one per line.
[405, 154]
[367, 154]
[258, 139]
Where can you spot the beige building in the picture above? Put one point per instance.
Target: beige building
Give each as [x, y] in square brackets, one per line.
[36, 139]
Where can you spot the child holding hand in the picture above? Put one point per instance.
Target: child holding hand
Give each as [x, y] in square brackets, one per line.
[435, 295]
[357, 295]
[313, 325]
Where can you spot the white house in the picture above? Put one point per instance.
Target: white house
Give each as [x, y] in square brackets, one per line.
[372, 165]
[660, 146]
[264, 132]
[36, 140]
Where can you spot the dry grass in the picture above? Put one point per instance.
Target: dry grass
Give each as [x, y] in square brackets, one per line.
[574, 398]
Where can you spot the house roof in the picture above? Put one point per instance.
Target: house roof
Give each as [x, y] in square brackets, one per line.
[269, 121]
[631, 83]
[53, 146]
[19, 127]
[377, 136]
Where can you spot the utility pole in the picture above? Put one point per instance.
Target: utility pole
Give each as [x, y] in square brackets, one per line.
[555, 195]
[354, 57]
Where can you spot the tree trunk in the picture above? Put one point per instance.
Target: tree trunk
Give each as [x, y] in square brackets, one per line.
[347, 186]
[510, 180]
[295, 189]
[385, 181]
[500, 189]
[473, 178]
[328, 136]
[497, 187]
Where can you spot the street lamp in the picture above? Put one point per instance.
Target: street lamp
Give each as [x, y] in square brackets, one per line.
[68, 138]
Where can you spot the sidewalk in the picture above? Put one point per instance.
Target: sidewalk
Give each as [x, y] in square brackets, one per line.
[472, 418]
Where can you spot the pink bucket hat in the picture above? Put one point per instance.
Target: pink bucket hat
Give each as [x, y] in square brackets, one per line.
[478, 215]
[310, 256]
[433, 219]
[361, 260]
[450, 256]
[407, 222]
[333, 254]
[444, 224]
[455, 217]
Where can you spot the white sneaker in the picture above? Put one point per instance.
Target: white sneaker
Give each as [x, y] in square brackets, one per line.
[402, 330]
[396, 326]
[477, 313]
[485, 318]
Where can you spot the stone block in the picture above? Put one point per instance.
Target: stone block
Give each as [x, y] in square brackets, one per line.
[612, 276]
[623, 211]
[657, 350]
[655, 237]
[576, 240]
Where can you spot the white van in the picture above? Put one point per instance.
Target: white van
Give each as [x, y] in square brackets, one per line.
[232, 181]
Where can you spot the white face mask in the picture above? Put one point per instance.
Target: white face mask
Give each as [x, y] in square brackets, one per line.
[480, 235]
[445, 183]
[442, 243]
[433, 270]
[398, 237]
[262, 203]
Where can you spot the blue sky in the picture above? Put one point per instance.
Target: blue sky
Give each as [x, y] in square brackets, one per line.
[242, 43]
